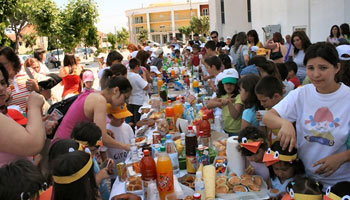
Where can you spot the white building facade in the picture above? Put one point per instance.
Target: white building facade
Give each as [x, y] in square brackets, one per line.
[316, 17]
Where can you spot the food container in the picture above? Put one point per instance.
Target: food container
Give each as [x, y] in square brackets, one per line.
[134, 185]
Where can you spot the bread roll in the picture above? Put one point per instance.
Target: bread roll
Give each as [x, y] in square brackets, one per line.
[209, 175]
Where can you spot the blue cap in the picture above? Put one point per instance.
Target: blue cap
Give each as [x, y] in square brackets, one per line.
[251, 69]
[168, 136]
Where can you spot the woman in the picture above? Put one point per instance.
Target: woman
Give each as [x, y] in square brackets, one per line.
[277, 49]
[240, 52]
[301, 42]
[40, 55]
[133, 49]
[143, 56]
[114, 57]
[253, 39]
[91, 106]
[320, 111]
[334, 35]
[70, 75]
[33, 63]
[345, 31]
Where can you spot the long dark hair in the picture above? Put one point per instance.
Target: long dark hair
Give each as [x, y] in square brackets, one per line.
[254, 34]
[69, 61]
[39, 53]
[233, 40]
[277, 37]
[12, 57]
[304, 40]
[241, 39]
[345, 29]
[110, 80]
[143, 56]
[83, 188]
[4, 73]
[248, 83]
[331, 32]
[344, 73]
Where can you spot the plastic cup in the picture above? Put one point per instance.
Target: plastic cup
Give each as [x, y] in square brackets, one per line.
[262, 113]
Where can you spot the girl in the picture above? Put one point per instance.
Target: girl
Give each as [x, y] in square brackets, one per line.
[301, 43]
[70, 75]
[88, 80]
[283, 166]
[334, 35]
[303, 188]
[278, 50]
[74, 177]
[253, 144]
[240, 52]
[252, 104]
[230, 102]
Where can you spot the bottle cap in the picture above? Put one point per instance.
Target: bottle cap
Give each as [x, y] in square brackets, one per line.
[201, 133]
[146, 152]
[169, 136]
[162, 149]
[205, 117]
[169, 101]
[197, 196]
[190, 127]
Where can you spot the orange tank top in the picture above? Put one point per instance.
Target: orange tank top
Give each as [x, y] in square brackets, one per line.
[72, 85]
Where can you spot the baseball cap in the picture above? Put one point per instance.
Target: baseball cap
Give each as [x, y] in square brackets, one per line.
[189, 48]
[228, 38]
[251, 69]
[255, 49]
[230, 76]
[17, 116]
[88, 76]
[261, 52]
[158, 52]
[344, 52]
[226, 48]
[118, 112]
[155, 69]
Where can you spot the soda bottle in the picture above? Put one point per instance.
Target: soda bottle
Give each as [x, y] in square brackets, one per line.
[148, 171]
[191, 146]
[172, 152]
[204, 126]
[165, 177]
[170, 116]
[195, 85]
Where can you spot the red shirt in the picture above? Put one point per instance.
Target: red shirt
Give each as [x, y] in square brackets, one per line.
[295, 81]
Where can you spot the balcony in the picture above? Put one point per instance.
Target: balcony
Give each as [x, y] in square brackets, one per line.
[182, 17]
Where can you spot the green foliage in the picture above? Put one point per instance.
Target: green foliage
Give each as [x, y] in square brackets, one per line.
[112, 39]
[122, 37]
[30, 40]
[142, 36]
[91, 38]
[6, 10]
[200, 25]
[185, 30]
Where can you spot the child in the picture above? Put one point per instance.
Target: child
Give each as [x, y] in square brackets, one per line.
[154, 72]
[121, 131]
[283, 166]
[338, 191]
[195, 61]
[69, 185]
[89, 135]
[269, 91]
[253, 144]
[230, 102]
[292, 73]
[247, 90]
[303, 188]
[88, 80]
[288, 86]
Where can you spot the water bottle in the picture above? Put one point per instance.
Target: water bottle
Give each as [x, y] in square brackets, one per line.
[172, 152]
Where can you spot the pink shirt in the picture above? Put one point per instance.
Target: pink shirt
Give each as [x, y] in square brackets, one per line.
[6, 158]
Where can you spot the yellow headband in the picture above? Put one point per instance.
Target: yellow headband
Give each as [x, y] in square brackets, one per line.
[285, 157]
[298, 196]
[74, 177]
[334, 196]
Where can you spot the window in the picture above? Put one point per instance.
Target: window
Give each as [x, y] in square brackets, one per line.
[222, 12]
[138, 29]
[249, 10]
[138, 20]
[205, 12]
[162, 26]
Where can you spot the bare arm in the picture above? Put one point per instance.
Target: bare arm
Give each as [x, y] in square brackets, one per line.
[21, 141]
[214, 103]
[244, 124]
[235, 109]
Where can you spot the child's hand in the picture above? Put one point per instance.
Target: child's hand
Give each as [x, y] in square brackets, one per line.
[258, 116]
[224, 102]
[287, 135]
[110, 166]
[250, 170]
[329, 164]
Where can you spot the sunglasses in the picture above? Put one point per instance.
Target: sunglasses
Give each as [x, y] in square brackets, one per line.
[214, 37]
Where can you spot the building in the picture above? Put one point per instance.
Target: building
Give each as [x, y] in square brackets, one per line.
[230, 16]
[41, 42]
[162, 20]
[315, 17]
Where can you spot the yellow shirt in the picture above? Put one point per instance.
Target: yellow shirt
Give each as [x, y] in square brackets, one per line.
[231, 125]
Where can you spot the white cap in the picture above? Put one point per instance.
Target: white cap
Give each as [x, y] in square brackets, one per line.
[134, 54]
[229, 76]
[158, 52]
[226, 48]
[102, 55]
[189, 48]
[202, 45]
[344, 50]
[155, 69]
[228, 38]
[148, 48]
[255, 48]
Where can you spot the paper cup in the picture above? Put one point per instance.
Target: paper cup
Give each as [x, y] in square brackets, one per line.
[262, 113]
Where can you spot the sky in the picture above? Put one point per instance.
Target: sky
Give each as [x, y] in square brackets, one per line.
[112, 12]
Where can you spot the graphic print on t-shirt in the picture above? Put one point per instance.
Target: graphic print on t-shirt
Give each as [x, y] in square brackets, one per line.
[322, 124]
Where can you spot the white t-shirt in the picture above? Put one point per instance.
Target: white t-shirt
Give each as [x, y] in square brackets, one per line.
[43, 69]
[322, 124]
[124, 134]
[137, 96]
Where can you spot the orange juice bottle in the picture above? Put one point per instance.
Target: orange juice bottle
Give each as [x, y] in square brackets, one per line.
[165, 178]
[170, 116]
[179, 109]
[195, 85]
[160, 83]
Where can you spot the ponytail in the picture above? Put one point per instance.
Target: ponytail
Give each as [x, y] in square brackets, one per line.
[110, 80]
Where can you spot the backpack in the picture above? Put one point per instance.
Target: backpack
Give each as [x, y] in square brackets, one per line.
[63, 107]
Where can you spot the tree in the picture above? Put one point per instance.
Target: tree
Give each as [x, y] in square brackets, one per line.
[112, 39]
[30, 40]
[122, 37]
[200, 25]
[6, 10]
[185, 30]
[142, 36]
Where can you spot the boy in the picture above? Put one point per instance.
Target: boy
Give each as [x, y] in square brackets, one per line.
[89, 135]
[269, 91]
[292, 71]
[121, 131]
[139, 88]
[214, 68]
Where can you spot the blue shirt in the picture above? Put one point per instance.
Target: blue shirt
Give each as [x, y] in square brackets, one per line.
[249, 115]
[103, 187]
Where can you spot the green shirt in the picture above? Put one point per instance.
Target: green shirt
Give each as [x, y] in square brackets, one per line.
[231, 125]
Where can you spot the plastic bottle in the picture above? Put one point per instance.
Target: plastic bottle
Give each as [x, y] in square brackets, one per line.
[204, 126]
[165, 177]
[191, 146]
[148, 171]
[197, 196]
[133, 165]
[170, 116]
[172, 152]
[199, 183]
[195, 85]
